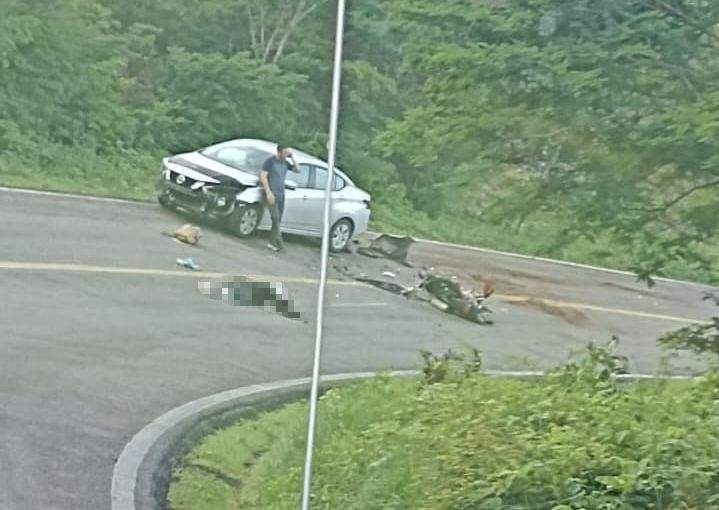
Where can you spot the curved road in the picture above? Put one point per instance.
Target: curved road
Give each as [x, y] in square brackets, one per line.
[100, 331]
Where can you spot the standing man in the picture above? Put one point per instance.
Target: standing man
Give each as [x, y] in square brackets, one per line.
[272, 176]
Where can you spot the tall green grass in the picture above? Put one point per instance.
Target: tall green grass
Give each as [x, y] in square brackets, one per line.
[129, 175]
[577, 439]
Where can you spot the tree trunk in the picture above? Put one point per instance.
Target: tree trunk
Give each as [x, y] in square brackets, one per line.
[286, 22]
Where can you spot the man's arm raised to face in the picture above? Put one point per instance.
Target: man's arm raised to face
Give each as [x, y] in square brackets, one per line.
[295, 167]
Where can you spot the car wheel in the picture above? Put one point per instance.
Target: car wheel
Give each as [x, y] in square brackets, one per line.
[244, 220]
[340, 235]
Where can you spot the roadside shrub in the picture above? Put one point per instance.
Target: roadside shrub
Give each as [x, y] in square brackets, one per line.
[597, 369]
[580, 438]
[701, 339]
[450, 366]
[697, 338]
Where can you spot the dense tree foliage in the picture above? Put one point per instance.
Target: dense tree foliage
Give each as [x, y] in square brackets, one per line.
[590, 127]
[602, 110]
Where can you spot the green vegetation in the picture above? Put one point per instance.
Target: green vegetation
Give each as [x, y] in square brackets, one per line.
[702, 339]
[131, 176]
[583, 130]
[577, 439]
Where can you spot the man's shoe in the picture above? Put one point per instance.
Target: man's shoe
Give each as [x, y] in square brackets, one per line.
[273, 247]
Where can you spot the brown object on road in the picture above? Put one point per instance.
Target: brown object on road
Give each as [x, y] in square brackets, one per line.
[187, 233]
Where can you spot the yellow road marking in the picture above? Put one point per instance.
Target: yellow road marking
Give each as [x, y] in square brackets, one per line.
[81, 268]
[357, 305]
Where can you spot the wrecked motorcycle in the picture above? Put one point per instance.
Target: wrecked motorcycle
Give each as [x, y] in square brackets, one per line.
[448, 296]
[441, 292]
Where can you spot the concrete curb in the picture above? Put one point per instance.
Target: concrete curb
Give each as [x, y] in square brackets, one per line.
[143, 471]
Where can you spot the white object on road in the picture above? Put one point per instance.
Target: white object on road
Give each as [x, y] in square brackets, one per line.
[188, 263]
[389, 274]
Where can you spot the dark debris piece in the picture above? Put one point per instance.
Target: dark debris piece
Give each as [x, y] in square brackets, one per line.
[390, 247]
[712, 295]
[395, 288]
[240, 291]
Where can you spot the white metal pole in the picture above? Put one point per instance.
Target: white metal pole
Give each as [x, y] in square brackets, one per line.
[334, 116]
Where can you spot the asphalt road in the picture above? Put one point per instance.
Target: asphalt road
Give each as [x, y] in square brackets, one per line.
[100, 331]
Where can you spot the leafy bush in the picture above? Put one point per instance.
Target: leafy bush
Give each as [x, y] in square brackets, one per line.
[697, 338]
[449, 366]
[577, 439]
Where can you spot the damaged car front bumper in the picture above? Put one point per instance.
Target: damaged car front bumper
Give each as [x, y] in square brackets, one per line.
[196, 196]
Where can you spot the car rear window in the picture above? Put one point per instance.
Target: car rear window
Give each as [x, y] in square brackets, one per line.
[321, 180]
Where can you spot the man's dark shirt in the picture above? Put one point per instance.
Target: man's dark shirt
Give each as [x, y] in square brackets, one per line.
[276, 173]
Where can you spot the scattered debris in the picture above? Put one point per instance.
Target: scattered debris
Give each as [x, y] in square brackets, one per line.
[188, 263]
[240, 291]
[388, 246]
[443, 293]
[711, 295]
[392, 287]
[187, 233]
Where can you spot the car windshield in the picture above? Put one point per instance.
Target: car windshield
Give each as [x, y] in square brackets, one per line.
[247, 159]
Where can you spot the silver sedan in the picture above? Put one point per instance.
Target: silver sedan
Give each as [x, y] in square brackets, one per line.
[221, 182]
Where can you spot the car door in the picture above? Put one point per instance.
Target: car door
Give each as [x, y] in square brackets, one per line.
[295, 216]
[314, 201]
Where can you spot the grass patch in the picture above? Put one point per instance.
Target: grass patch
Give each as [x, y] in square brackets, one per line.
[131, 175]
[575, 439]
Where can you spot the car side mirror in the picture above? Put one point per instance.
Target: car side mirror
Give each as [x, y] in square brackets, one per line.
[290, 184]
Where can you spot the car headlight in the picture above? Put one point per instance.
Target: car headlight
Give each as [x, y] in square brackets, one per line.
[166, 174]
